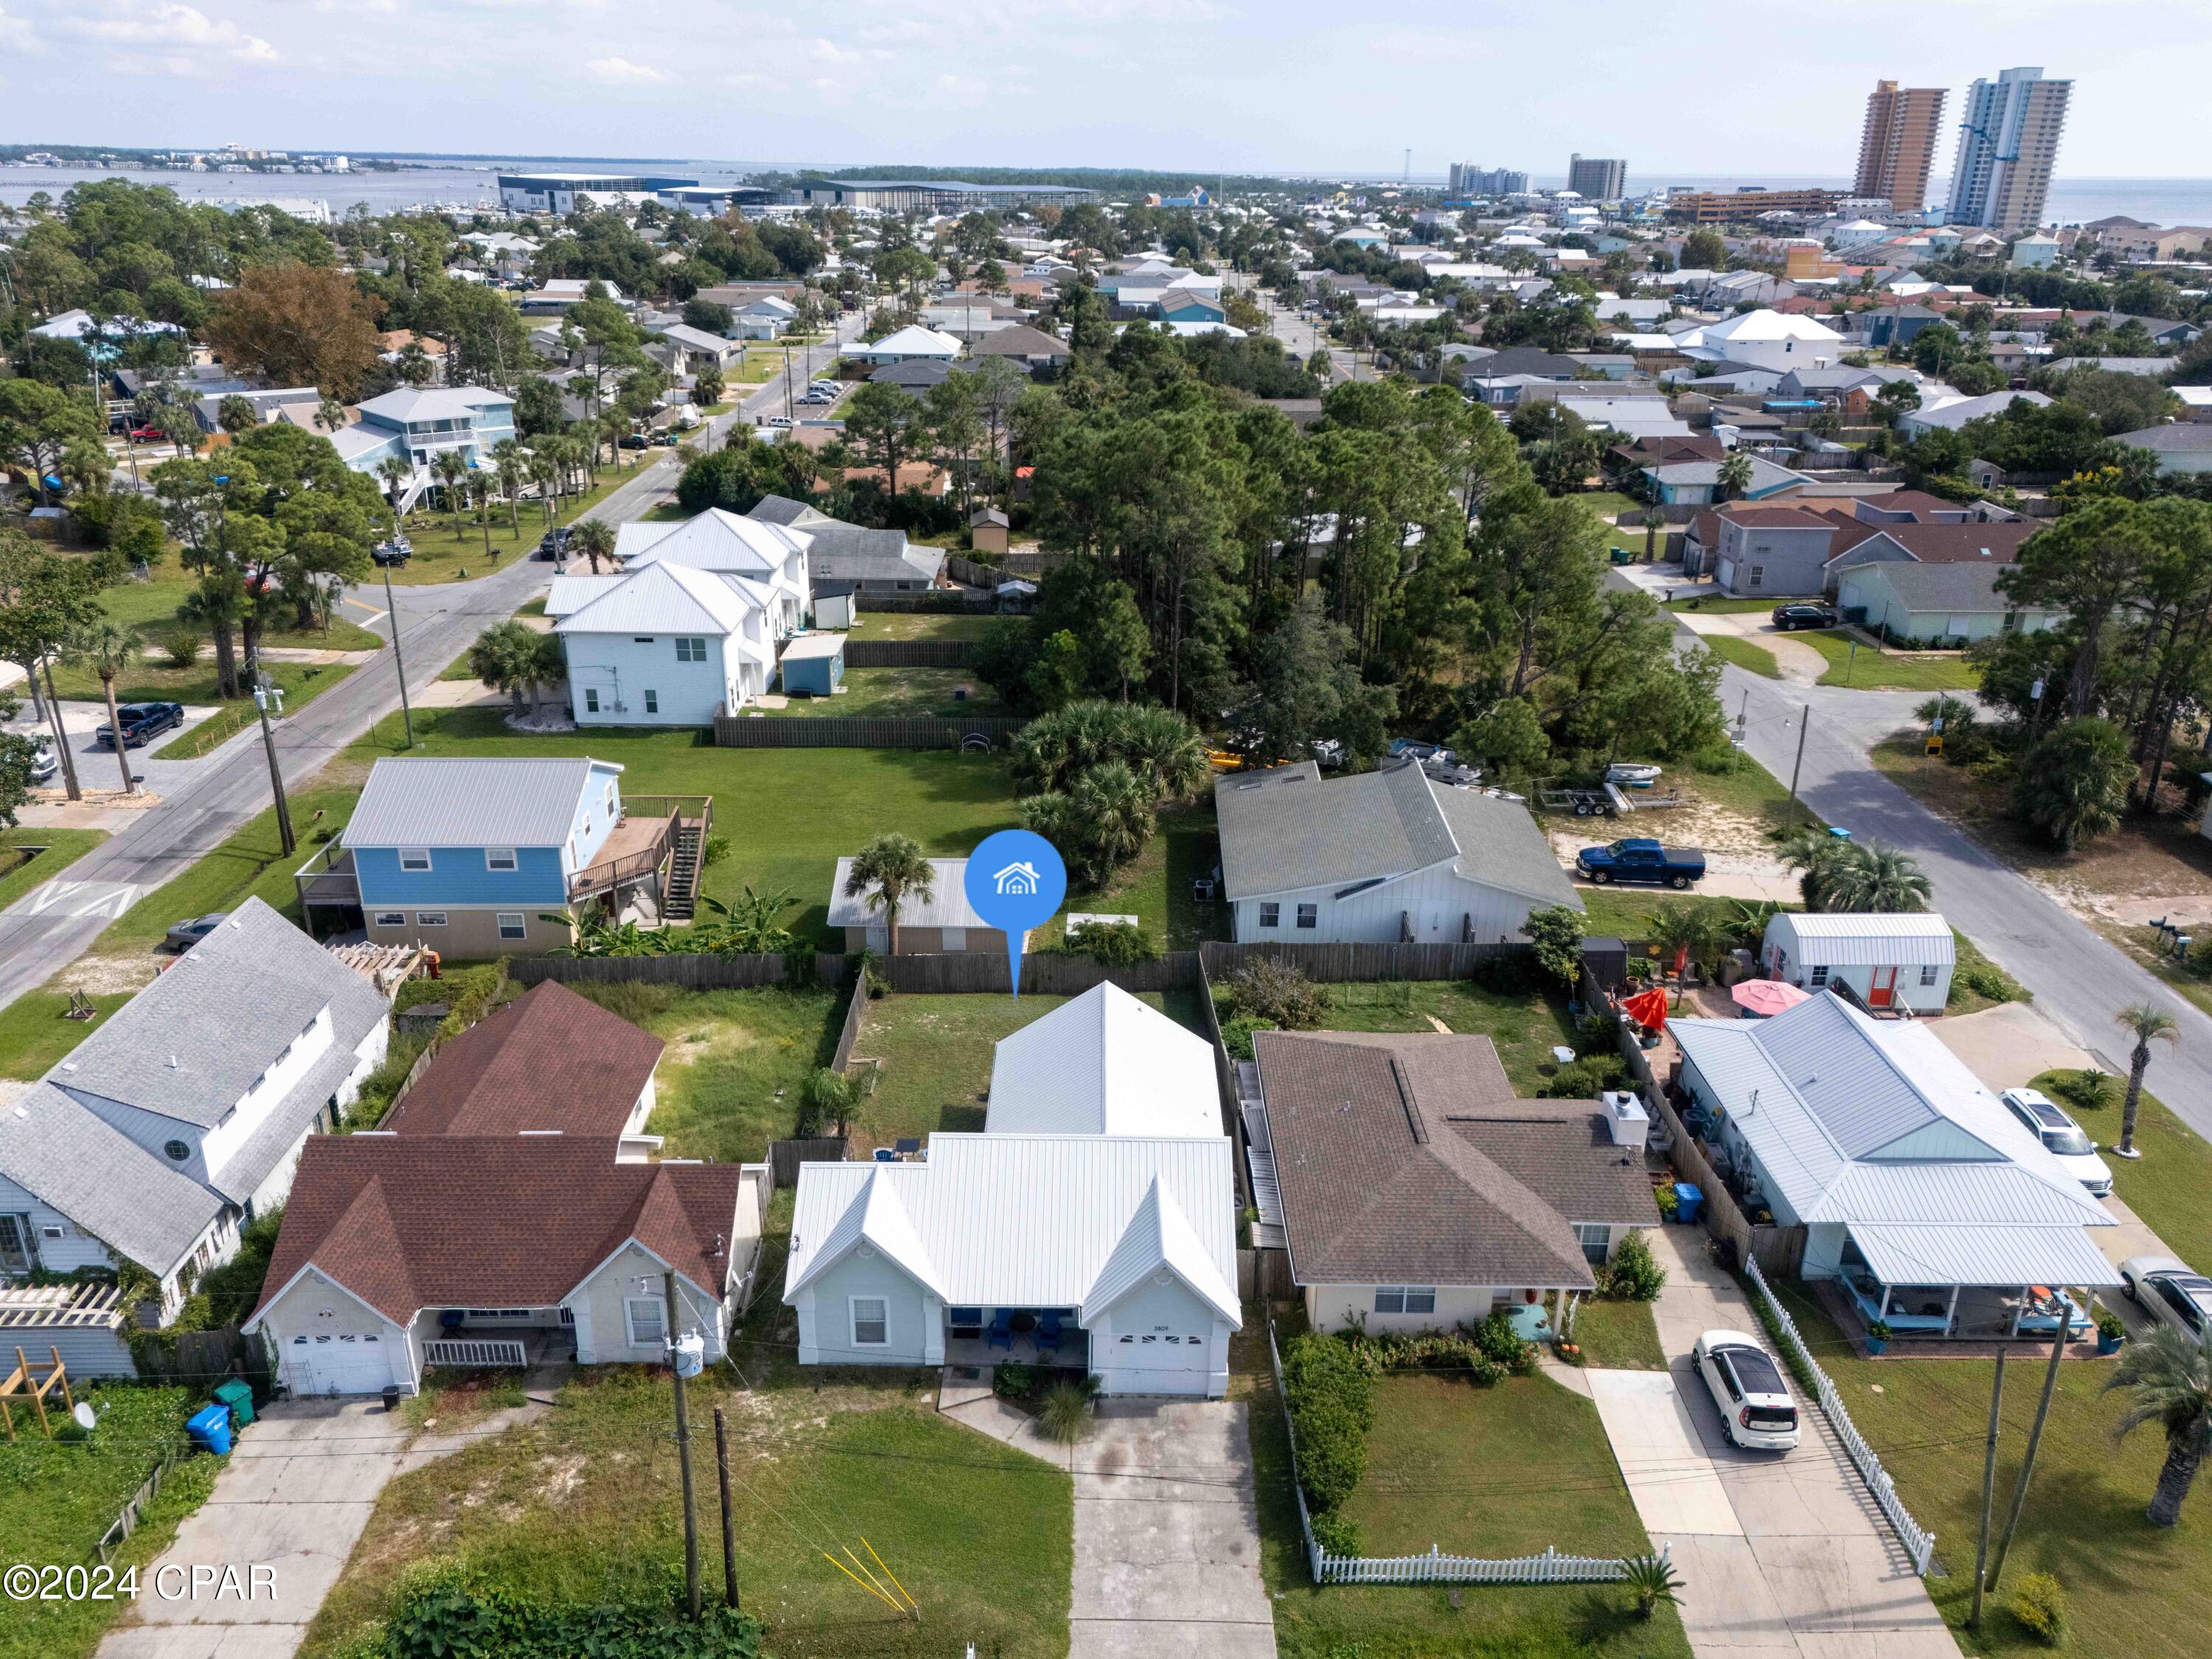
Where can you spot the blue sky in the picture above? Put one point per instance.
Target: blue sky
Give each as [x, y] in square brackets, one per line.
[1725, 87]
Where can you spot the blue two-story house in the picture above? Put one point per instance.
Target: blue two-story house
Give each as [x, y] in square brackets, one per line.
[416, 424]
[500, 856]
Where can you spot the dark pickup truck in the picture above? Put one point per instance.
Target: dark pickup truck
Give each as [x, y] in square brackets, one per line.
[1645, 862]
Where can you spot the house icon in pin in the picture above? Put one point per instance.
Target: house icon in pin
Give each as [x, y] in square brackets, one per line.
[1018, 880]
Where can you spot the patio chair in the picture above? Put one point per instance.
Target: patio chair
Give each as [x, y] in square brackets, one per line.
[1001, 1333]
[906, 1146]
[1048, 1335]
[885, 1155]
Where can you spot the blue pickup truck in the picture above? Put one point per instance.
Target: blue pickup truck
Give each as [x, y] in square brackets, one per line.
[1644, 862]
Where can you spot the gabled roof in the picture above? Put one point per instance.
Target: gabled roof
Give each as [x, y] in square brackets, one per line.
[473, 800]
[1020, 341]
[570, 594]
[435, 403]
[1995, 543]
[406, 1221]
[945, 906]
[1104, 1064]
[107, 1184]
[551, 1059]
[1854, 939]
[1755, 327]
[713, 540]
[1158, 1236]
[663, 598]
[912, 341]
[877, 1219]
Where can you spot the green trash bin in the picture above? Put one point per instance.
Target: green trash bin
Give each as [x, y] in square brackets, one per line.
[238, 1396]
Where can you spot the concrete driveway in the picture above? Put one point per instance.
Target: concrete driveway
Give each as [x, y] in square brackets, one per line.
[1782, 1557]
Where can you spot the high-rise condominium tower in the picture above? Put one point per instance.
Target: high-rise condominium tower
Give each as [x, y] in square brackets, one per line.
[2007, 144]
[1597, 179]
[1898, 146]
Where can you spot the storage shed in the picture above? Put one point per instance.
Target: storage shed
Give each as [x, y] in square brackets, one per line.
[1885, 962]
[835, 605]
[814, 664]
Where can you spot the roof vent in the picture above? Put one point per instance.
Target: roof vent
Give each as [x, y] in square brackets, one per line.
[174, 1065]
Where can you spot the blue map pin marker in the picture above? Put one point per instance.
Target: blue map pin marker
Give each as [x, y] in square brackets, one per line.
[1015, 882]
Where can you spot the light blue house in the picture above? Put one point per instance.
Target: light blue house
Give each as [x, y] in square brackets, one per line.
[1185, 305]
[1697, 484]
[418, 424]
[487, 856]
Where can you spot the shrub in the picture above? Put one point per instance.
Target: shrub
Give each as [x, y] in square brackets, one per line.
[1585, 1079]
[1236, 1034]
[826, 1103]
[1650, 1580]
[1278, 993]
[1557, 931]
[2038, 1604]
[1510, 975]
[2088, 1090]
[1114, 944]
[716, 849]
[1596, 1036]
[1331, 1408]
[1634, 1274]
[2072, 785]
[180, 646]
[1064, 1414]
[443, 1613]
[1337, 1533]
[1014, 1380]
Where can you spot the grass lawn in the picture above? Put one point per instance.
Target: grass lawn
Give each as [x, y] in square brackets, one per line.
[1524, 1026]
[35, 1031]
[1619, 1336]
[936, 1053]
[2135, 1592]
[443, 553]
[1964, 998]
[1722, 607]
[1871, 669]
[1743, 653]
[1157, 888]
[582, 1506]
[150, 608]
[918, 624]
[57, 1499]
[1501, 1471]
[729, 1082]
[1610, 504]
[303, 682]
[2166, 1186]
[153, 681]
[888, 693]
[22, 870]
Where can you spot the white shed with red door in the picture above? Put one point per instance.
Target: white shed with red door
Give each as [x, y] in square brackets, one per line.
[1886, 962]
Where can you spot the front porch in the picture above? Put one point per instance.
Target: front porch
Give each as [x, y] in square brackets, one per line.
[1958, 1312]
[495, 1343]
[1023, 1336]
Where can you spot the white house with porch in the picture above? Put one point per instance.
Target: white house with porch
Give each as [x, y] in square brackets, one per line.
[1922, 1200]
[1886, 962]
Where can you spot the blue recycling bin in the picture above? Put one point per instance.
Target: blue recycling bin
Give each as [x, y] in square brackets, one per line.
[1688, 1202]
[209, 1429]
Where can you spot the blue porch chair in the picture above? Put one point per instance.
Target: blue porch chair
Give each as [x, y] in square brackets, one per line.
[1048, 1335]
[1001, 1333]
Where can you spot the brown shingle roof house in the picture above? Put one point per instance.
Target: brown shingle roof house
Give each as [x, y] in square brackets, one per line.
[1419, 1193]
[401, 1252]
[549, 1062]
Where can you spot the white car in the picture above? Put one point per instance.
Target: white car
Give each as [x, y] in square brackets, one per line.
[778, 422]
[44, 764]
[2061, 1137]
[2172, 1290]
[1756, 1410]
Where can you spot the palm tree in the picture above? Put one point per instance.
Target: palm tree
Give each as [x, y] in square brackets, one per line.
[544, 469]
[2145, 1024]
[887, 870]
[510, 657]
[395, 472]
[507, 458]
[1735, 476]
[481, 490]
[451, 470]
[329, 413]
[1870, 878]
[2170, 1377]
[108, 648]
[593, 539]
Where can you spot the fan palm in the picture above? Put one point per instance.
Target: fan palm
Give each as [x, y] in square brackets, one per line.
[1870, 878]
[395, 473]
[507, 458]
[108, 648]
[2168, 1374]
[886, 871]
[593, 539]
[2147, 1024]
[1735, 478]
[1114, 807]
[451, 470]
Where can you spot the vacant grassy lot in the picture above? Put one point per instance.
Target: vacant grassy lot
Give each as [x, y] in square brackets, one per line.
[150, 608]
[1744, 653]
[888, 693]
[730, 1080]
[1619, 1336]
[582, 1505]
[918, 625]
[1872, 669]
[36, 1031]
[23, 868]
[56, 1498]
[2137, 1592]
[1524, 1025]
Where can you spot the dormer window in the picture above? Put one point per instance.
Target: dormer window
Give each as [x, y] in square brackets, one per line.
[177, 1152]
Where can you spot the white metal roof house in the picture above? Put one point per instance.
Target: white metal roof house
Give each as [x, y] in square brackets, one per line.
[907, 345]
[1931, 1208]
[1379, 858]
[1104, 1064]
[1886, 962]
[183, 1114]
[772, 555]
[668, 646]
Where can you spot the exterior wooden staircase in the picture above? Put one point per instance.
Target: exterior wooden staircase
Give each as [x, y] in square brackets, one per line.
[679, 899]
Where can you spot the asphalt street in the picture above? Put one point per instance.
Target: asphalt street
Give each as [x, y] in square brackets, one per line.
[58, 920]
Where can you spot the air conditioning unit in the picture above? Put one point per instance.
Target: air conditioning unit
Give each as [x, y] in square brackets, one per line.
[1625, 1116]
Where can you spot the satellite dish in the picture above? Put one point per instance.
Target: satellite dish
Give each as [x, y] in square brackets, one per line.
[83, 1416]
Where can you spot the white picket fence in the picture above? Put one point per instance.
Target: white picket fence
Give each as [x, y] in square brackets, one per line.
[1920, 1543]
[474, 1352]
[1436, 1567]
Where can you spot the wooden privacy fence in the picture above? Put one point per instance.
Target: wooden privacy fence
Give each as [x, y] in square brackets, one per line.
[1920, 1543]
[1349, 962]
[127, 1522]
[856, 1012]
[908, 654]
[1045, 973]
[698, 971]
[784, 1157]
[974, 573]
[861, 731]
[200, 1358]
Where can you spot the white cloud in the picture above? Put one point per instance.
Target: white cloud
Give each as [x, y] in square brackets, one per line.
[16, 33]
[166, 38]
[621, 72]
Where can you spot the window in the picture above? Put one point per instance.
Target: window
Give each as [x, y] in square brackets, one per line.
[414, 858]
[391, 918]
[1309, 915]
[1271, 914]
[1819, 976]
[690, 650]
[651, 702]
[1595, 1238]
[1758, 575]
[1406, 1299]
[429, 918]
[499, 858]
[871, 1322]
[953, 939]
[647, 1316]
[1928, 973]
[591, 701]
[177, 1150]
[641, 639]
[513, 925]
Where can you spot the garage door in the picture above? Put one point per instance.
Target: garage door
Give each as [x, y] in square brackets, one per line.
[343, 1363]
[1146, 1362]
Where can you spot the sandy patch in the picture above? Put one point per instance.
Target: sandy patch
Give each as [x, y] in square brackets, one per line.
[98, 975]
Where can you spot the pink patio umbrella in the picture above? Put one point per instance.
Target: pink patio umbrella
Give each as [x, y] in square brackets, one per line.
[1762, 999]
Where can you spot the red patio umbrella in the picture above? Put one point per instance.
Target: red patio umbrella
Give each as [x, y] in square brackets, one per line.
[1647, 1009]
[1762, 999]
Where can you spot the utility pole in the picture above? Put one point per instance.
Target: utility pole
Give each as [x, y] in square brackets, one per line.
[684, 1460]
[1989, 1488]
[2034, 1440]
[265, 692]
[729, 1533]
[391, 615]
[1804, 723]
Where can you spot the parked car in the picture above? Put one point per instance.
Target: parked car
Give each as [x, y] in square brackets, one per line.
[669, 439]
[780, 423]
[147, 435]
[1633, 775]
[832, 387]
[2172, 1290]
[1639, 861]
[187, 934]
[2061, 1137]
[140, 721]
[635, 441]
[43, 761]
[1788, 617]
[393, 553]
[554, 543]
[1756, 1410]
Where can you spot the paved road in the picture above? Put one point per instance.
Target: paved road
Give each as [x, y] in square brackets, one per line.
[56, 923]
